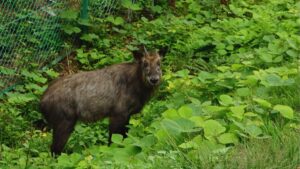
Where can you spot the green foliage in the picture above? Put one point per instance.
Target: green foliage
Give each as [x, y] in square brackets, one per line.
[229, 99]
[35, 34]
[20, 107]
[130, 5]
[285, 111]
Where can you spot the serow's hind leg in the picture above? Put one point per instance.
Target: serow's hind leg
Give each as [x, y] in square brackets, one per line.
[61, 134]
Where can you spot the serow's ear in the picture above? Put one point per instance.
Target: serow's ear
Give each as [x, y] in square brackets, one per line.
[137, 54]
[163, 51]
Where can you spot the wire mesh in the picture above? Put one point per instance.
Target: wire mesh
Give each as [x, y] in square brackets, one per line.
[101, 8]
[30, 33]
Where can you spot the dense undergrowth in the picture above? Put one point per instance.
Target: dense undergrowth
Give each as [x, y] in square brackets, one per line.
[230, 96]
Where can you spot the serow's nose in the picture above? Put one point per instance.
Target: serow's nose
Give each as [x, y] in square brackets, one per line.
[154, 80]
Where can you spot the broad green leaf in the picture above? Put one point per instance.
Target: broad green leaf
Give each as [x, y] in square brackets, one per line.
[269, 38]
[69, 14]
[185, 111]
[125, 154]
[243, 91]
[238, 111]
[182, 73]
[293, 44]
[69, 29]
[188, 145]
[288, 82]
[85, 163]
[251, 114]
[115, 21]
[208, 147]
[266, 57]
[294, 125]
[133, 6]
[239, 125]
[34, 76]
[186, 125]
[195, 101]
[110, 18]
[117, 138]
[194, 143]
[156, 9]
[278, 59]
[171, 114]
[253, 130]
[35, 87]
[230, 47]
[206, 103]
[65, 161]
[292, 53]
[7, 71]
[52, 73]
[262, 92]
[282, 71]
[197, 139]
[96, 55]
[135, 122]
[271, 80]
[203, 76]
[85, 22]
[236, 66]
[162, 134]
[120, 154]
[198, 120]
[118, 21]
[178, 126]
[251, 80]
[20, 98]
[226, 100]
[214, 109]
[213, 128]
[228, 138]
[222, 52]
[263, 102]
[132, 150]
[89, 37]
[148, 141]
[285, 111]
[224, 69]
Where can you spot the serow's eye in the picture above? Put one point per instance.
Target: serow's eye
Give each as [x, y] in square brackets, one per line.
[158, 63]
[145, 64]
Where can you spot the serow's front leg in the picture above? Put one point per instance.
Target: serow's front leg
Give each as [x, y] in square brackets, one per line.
[118, 125]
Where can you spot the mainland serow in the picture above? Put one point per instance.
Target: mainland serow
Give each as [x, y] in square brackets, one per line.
[116, 92]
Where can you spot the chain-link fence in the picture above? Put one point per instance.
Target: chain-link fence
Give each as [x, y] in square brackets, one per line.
[30, 32]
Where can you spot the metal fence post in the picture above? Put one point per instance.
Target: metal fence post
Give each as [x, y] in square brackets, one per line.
[84, 9]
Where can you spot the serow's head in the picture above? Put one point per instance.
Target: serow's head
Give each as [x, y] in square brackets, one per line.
[150, 64]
